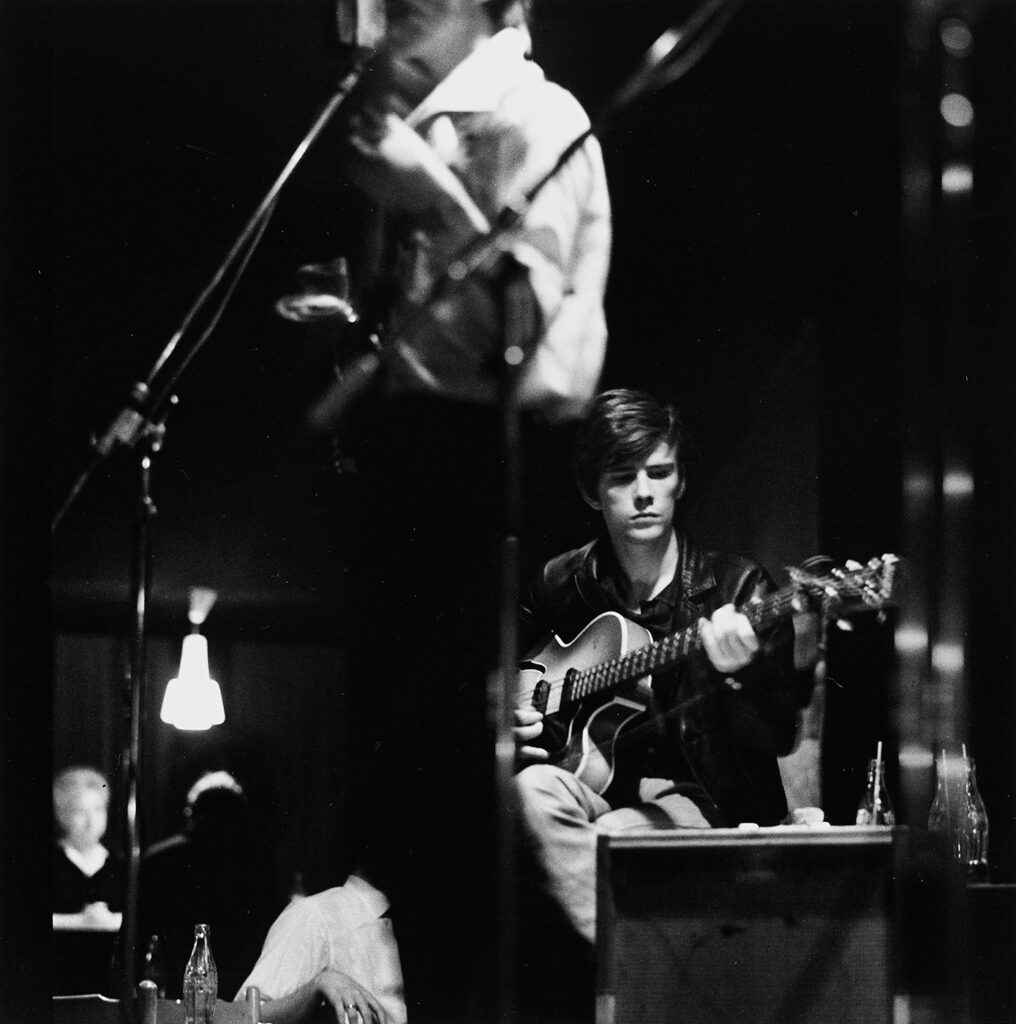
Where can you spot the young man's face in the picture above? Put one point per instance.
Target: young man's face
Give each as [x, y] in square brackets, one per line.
[638, 501]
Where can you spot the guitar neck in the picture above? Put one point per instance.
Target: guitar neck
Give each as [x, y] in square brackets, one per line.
[663, 654]
[823, 591]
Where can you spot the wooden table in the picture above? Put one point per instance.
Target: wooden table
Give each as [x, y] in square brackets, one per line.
[97, 1009]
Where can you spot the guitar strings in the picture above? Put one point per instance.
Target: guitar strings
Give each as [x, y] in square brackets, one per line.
[773, 605]
[674, 645]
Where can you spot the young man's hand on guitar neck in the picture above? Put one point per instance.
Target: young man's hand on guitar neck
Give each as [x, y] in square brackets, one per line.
[728, 639]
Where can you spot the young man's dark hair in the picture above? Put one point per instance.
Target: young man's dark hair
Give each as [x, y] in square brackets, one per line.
[621, 427]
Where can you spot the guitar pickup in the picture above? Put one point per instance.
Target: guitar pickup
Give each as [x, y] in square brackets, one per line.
[541, 691]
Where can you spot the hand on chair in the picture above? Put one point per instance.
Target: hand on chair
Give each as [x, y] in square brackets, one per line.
[352, 1003]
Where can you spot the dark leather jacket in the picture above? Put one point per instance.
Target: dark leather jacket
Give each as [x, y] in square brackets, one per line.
[724, 732]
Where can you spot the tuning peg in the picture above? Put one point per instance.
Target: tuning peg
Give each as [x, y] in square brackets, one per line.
[844, 626]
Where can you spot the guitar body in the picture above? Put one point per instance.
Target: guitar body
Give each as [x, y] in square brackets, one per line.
[592, 728]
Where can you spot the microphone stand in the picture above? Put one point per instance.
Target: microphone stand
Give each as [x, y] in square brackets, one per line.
[147, 399]
[141, 425]
[141, 574]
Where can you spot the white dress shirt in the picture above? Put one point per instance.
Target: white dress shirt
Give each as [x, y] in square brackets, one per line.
[499, 126]
[341, 928]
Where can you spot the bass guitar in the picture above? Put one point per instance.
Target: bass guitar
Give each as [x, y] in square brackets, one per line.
[598, 684]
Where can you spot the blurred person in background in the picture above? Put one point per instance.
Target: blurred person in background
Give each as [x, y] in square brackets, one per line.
[87, 880]
[218, 872]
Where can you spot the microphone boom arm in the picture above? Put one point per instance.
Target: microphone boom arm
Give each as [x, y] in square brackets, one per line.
[146, 410]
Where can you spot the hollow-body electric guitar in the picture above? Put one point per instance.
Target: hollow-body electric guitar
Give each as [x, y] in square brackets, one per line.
[598, 684]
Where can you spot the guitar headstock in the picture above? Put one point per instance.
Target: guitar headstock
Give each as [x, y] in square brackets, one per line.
[832, 589]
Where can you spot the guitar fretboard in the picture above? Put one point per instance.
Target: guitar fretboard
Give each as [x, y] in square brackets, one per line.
[581, 684]
[872, 584]
[578, 685]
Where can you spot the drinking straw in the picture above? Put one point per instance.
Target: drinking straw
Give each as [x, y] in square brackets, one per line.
[878, 785]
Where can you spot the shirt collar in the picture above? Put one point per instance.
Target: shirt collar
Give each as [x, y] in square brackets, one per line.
[480, 82]
[88, 863]
[691, 578]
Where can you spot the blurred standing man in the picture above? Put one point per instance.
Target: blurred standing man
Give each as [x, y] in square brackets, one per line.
[452, 123]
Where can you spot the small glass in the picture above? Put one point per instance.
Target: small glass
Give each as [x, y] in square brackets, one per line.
[321, 292]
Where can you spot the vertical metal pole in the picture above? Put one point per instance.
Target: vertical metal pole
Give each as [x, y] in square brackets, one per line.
[938, 480]
[502, 692]
[920, 467]
[938, 484]
[131, 761]
[954, 45]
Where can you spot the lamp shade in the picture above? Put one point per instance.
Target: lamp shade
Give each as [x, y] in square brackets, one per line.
[193, 700]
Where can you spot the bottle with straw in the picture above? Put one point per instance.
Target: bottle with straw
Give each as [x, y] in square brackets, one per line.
[875, 807]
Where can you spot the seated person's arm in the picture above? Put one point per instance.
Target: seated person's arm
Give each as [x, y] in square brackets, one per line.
[346, 997]
[394, 165]
[766, 667]
[298, 962]
[93, 917]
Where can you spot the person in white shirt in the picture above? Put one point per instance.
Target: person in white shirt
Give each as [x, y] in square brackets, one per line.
[456, 126]
[452, 123]
[336, 947]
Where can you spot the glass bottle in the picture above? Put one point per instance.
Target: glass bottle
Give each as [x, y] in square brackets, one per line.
[973, 844]
[875, 807]
[200, 980]
[958, 813]
[938, 815]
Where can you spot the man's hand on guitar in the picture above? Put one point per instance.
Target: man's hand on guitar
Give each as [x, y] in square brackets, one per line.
[728, 639]
[528, 727]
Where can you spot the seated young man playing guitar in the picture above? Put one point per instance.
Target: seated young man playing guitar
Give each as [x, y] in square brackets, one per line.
[697, 745]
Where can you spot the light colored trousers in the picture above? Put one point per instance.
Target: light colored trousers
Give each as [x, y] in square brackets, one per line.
[562, 817]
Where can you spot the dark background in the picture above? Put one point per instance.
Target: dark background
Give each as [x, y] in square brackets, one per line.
[757, 278]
